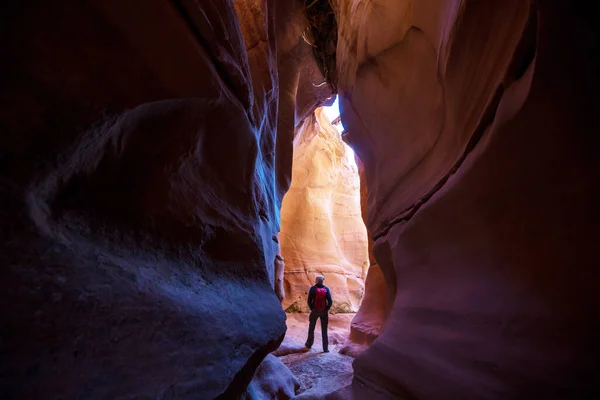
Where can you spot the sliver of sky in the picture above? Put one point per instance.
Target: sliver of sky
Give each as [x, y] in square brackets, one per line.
[332, 112]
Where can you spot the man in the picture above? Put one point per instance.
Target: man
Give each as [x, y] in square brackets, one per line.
[319, 302]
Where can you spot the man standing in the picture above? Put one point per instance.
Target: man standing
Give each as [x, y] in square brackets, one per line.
[319, 302]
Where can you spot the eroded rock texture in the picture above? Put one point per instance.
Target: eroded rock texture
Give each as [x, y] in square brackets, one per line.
[144, 155]
[476, 124]
[321, 227]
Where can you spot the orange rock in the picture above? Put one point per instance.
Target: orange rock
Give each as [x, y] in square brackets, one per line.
[322, 231]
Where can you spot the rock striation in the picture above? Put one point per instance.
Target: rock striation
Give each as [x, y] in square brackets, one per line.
[145, 152]
[475, 123]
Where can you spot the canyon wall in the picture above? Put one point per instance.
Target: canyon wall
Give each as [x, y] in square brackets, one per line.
[322, 231]
[368, 321]
[476, 124]
[145, 150]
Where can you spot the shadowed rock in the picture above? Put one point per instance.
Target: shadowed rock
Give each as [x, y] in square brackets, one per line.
[142, 169]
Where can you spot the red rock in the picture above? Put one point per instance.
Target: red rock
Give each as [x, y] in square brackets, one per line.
[145, 152]
[369, 319]
[475, 122]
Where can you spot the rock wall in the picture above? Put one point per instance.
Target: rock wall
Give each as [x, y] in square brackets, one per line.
[144, 156]
[476, 124]
[321, 227]
[145, 150]
[369, 320]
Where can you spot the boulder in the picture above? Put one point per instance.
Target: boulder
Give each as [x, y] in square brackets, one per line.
[272, 380]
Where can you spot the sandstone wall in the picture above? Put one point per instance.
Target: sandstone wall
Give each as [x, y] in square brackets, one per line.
[476, 124]
[144, 153]
[368, 322]
[322, 231]
[145, 149]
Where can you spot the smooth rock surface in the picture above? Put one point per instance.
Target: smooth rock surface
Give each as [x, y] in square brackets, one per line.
[143, 161]
[368, 321]
[476, 124]
[322, 231]
[145, 150]
[272, 380]
[320, 374]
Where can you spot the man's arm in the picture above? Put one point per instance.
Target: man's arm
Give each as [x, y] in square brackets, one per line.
[311, 297]
[329, 299]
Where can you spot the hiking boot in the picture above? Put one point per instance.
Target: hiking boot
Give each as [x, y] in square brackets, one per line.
[325, 351]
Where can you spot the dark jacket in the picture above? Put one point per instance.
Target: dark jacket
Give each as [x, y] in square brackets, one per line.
[311, 296]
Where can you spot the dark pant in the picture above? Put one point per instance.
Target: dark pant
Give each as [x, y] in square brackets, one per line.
[312, 322]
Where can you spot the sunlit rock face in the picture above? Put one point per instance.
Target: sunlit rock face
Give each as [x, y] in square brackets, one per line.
[322, 231]
[477, 126]
[144, 156]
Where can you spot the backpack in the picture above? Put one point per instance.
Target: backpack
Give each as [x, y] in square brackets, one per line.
[320, 303]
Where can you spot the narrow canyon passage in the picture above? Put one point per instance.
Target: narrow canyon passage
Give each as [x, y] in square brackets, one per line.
[322, 233]
[169, 188]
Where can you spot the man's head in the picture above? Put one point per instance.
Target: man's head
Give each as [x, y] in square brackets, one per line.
[319, 279]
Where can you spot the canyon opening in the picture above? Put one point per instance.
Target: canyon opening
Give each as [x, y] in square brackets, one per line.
[171, 184]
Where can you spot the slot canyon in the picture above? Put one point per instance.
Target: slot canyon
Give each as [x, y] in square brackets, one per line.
[322, 230]
[170, 187]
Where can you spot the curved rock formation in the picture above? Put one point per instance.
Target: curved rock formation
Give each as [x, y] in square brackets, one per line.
[145, 150]
[368, 321]
[144, 155]
[475, 121]
[321, 227]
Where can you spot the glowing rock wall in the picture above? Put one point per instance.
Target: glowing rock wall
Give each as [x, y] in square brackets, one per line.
[322, 231]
